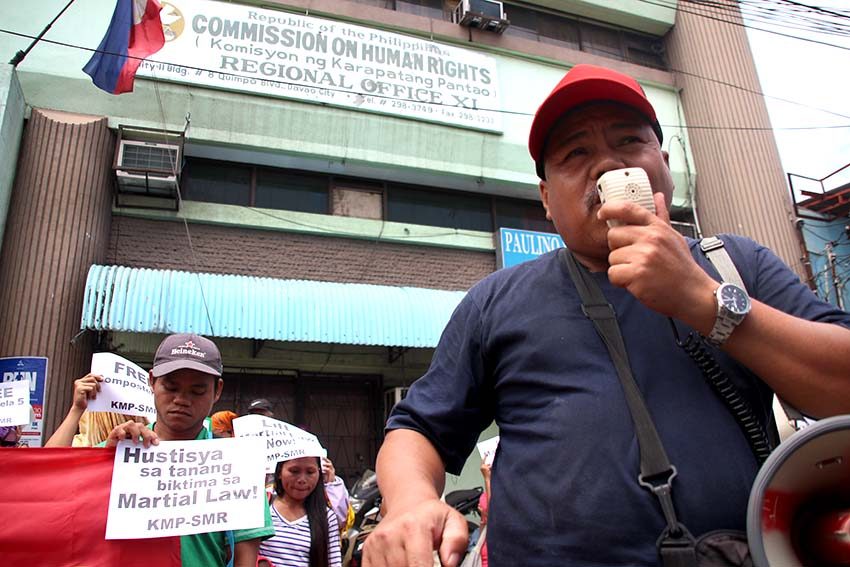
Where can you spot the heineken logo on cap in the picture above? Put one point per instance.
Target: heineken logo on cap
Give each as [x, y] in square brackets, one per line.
[188, 348]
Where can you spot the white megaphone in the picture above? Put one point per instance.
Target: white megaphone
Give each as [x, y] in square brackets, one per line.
[799, 509]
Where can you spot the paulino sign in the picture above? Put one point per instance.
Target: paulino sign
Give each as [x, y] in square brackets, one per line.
[516, 246]
[276, 53]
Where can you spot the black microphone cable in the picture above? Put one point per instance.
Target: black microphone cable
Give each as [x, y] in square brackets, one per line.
[728, 393]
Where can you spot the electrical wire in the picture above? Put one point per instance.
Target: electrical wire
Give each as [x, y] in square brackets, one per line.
[721, 6]
[761, 18]
[756, 92]
[839, 14]
[820, 236]
[734, 21]
[175, 174]
[454, 232]
[787, 16]
[490, 110]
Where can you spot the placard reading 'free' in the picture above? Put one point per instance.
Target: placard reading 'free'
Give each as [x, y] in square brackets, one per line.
[124, 388]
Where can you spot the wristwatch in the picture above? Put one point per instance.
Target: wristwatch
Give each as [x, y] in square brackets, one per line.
[733, 304]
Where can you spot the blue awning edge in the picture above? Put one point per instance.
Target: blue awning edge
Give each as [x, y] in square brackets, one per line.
[119, 298]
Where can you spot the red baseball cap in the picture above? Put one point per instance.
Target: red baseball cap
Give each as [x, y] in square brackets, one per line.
[583, 84]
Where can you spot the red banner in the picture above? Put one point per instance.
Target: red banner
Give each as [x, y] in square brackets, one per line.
[54, 502]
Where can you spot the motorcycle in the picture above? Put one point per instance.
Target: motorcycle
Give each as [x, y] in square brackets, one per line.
[466, 502]
[365, 500]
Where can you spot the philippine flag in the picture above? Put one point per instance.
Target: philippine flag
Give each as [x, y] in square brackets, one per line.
[134, 33]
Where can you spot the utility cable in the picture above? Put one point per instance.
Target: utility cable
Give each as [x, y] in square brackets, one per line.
[743, 25]
[175, 174]
[491, 110]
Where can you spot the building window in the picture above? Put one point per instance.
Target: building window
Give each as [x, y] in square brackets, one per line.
[358, 199]
[543, 27]
[644, 51]
[525, 215]
[560, 31]
[439, 208]
[428, 8]
[601, 41]
[216, 182]
[573, 33]
[388, 4]
[523, 23]
[291, 191]
[548, 26]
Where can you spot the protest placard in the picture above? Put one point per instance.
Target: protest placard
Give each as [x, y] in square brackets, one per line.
[124, 388]
[282, 441]
[14, 403]
[487, 448]
[32, 369]
[186, 487]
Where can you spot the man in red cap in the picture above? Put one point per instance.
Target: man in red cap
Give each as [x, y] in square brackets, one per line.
[519, 350]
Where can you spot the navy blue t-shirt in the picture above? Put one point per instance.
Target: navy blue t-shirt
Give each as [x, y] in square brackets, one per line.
[518, 349]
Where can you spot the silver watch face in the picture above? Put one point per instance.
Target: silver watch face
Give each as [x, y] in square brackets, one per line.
[734, 299]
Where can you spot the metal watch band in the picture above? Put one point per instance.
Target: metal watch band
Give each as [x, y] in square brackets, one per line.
[724, 324]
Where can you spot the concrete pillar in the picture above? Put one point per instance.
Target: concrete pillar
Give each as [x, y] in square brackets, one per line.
[58, 225]
[741, 185]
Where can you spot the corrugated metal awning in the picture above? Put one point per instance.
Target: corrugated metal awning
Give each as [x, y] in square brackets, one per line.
[140, 300]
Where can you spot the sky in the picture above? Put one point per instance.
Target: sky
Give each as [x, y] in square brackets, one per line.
[817, 76]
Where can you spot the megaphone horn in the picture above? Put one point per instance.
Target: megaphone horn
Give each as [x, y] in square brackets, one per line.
[799, 508]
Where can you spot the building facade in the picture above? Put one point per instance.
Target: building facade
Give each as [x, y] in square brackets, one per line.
[315, 184]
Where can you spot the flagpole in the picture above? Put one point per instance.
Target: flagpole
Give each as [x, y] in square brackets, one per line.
[20, 55]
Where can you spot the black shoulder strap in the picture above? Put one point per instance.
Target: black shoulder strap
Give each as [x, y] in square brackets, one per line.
[676, 545]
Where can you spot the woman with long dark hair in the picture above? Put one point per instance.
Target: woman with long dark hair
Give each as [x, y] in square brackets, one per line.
[306, 529]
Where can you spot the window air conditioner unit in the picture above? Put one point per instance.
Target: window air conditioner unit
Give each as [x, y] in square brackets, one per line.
[147, 167]
[391, 398]
[487, 15]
